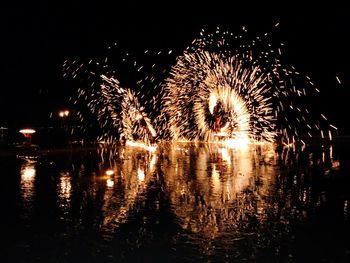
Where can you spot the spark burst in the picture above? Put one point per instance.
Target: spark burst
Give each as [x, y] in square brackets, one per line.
[217, 93]
[213, 93]
[119, 113]
[213, 96]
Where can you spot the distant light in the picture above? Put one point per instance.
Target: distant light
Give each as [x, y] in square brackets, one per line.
[27, 131]
[64, 113]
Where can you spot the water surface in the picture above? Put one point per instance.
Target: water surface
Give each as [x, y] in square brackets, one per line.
[183, 203]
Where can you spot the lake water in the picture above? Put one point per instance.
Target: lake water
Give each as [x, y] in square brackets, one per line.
[180, 203]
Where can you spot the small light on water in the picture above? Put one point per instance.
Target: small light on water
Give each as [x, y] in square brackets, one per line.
[346, 210]
[65, 186]
[28, 173]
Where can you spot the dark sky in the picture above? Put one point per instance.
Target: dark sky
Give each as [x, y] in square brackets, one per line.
[37, 37]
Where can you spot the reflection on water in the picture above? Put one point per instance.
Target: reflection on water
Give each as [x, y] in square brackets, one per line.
[214, 190]
[180, 202]
[126, 176]
[64, 191]
[28, 173]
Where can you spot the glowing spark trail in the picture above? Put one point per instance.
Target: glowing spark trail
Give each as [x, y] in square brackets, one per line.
[118, 112]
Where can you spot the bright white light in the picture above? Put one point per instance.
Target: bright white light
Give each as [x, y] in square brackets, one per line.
[64, 113]
[109, 172]
[28, 173]
[212, 102]
[27, 131]
[110, 183]
[141, 145]
[225, 155]
[239, 143]
[140, 174]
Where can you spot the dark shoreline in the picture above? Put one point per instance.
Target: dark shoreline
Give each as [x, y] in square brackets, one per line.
[44, 151]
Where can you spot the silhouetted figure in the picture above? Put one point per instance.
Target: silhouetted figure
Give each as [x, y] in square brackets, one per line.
[219, 118]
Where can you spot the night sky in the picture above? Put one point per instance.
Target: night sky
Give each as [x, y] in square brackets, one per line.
[37, 37]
